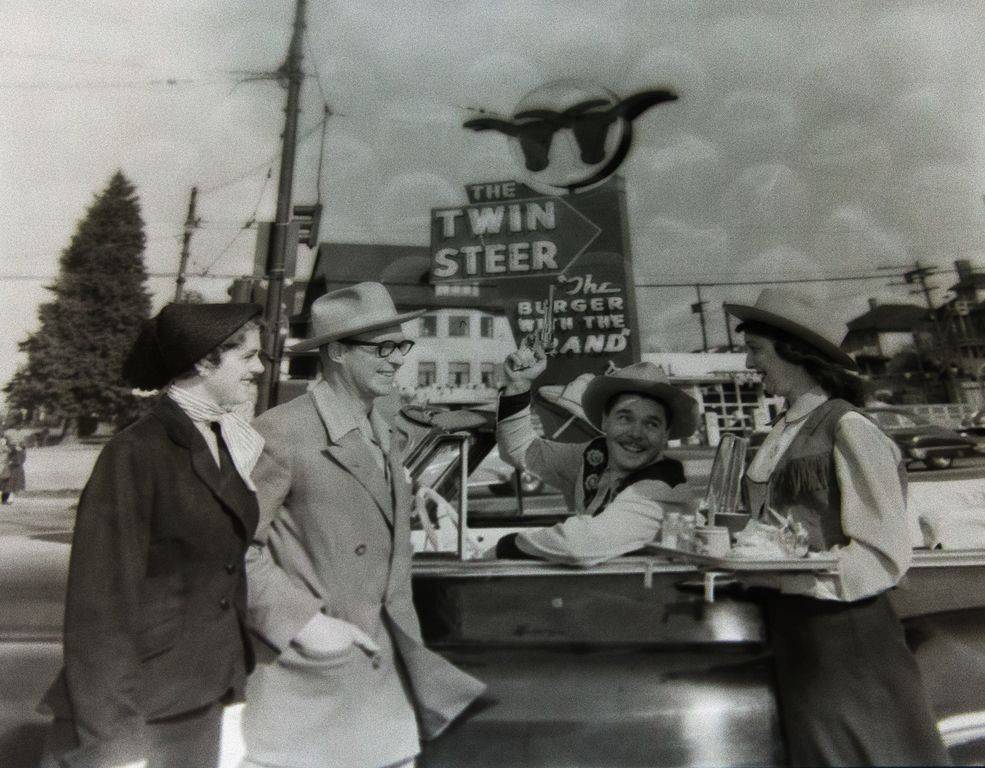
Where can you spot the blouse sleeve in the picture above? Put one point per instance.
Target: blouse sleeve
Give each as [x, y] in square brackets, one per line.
[873, 509]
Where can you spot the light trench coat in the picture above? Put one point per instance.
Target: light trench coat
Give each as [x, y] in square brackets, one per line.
[337, 540]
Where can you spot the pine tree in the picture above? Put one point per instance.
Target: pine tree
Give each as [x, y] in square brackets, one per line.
[100, 299]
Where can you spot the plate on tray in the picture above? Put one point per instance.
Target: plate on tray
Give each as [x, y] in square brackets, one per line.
[820, 562]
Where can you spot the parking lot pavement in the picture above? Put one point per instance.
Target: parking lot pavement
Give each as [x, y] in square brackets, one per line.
[57, 468]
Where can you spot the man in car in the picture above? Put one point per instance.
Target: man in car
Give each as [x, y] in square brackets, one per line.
[621, 484]
[352, 684]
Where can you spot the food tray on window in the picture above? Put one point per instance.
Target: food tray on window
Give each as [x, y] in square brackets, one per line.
[814, 563]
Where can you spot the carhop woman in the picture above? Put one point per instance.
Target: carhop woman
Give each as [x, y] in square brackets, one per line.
[154, 621]
[849, 690]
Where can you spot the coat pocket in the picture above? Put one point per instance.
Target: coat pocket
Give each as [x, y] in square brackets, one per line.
[162, 616]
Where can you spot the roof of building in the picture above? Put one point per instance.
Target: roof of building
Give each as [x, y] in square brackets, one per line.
[969, 282]
[404, 269]
[698, 365]
[889, 318]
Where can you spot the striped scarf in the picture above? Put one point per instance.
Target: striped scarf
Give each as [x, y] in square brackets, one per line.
[245, 444]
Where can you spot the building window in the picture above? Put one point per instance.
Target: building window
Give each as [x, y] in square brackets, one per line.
[427, 374]
[428, 326]
[486, 327]
[458, 374]
[458, 325]
[489, 374]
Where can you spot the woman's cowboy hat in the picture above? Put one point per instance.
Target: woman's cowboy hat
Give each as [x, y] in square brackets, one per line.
[350, 311]
[645, 379]
[799, 315]
[169, 344]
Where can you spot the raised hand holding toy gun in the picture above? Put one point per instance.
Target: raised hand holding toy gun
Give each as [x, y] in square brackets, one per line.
[530, 360]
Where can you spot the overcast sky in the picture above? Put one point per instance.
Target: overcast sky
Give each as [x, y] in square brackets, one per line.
[811, 139]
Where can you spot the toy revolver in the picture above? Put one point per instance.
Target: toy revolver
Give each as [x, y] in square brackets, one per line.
[543, 336]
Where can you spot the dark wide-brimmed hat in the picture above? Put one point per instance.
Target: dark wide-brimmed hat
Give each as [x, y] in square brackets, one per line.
[350, 311]
[178, 337]
[799, 315]
[644, 379]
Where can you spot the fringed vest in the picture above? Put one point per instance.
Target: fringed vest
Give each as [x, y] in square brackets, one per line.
[804, 482]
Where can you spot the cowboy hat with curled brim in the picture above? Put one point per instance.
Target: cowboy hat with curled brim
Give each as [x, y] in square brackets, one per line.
[799, 315]
[350, 311]
[643, 379]
[568, 396]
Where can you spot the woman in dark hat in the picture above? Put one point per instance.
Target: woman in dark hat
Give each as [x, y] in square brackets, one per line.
[849, 690]
[154, 621]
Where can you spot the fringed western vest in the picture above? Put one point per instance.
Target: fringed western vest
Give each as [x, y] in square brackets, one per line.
[804, 482]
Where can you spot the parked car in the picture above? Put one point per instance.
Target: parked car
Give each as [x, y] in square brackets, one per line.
[921, 440]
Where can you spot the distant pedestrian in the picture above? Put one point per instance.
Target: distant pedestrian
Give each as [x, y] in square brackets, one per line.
[155, 638]
[12, 479]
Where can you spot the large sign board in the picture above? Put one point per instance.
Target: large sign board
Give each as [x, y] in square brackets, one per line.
[531, 245]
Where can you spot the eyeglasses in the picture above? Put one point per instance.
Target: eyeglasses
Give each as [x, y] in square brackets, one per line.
[383, 348]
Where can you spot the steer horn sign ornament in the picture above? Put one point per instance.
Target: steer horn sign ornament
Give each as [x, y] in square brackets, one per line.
[594, 128]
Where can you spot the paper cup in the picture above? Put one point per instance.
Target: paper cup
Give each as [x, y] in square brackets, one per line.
[714, 539]
[734, 521]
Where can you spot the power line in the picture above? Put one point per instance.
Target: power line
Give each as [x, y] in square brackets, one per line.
[782, 281]
[253, 170]
[87, 85]
[251, 221]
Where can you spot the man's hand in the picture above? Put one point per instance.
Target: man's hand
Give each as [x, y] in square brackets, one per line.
[525, 365]
[324, 636]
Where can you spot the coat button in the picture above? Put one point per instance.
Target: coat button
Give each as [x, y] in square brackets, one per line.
[376, 662]
[230, 568]
[224, 603]
[361, 549]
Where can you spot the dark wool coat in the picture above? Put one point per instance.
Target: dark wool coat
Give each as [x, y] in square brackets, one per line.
[154, 617]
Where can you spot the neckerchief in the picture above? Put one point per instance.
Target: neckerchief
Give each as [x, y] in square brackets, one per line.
[243, 442]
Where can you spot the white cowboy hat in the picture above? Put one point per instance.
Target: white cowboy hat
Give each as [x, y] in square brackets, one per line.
[350, 311]
[645, 379]
[799, 315]
[568, 396]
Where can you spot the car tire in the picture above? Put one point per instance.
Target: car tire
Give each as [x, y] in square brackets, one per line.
[940, 462]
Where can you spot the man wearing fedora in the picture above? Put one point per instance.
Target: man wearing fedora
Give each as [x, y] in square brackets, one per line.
[155, 614]
[620, 484]
[352, 685]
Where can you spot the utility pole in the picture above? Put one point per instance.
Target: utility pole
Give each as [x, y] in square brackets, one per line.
[918, 274]
[698, 308]
[728, 329]
[190, 224]
[273, 312]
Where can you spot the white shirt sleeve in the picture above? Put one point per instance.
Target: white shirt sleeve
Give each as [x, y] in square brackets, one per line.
[557, 464]
[873, 509]
[630, 521]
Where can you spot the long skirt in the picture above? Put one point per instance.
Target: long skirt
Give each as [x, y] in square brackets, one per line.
[848, 687]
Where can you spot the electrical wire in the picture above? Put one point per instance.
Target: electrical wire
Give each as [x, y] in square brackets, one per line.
[250, 222]
[253, 170]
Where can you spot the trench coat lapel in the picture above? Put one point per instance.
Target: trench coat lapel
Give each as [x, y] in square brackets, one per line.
[351, 452]
[183, 431]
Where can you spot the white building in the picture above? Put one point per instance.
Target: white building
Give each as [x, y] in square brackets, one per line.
[729, 395]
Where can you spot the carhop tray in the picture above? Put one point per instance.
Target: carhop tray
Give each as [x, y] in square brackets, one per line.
[812, 564]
